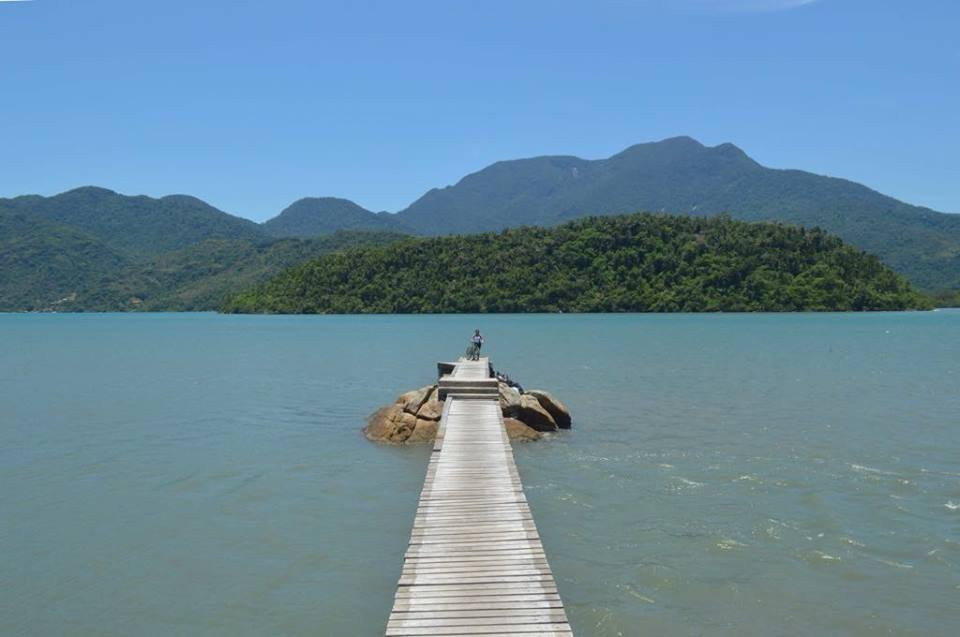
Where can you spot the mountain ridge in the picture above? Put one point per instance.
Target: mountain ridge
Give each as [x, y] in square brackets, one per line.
[136, 225]
[681, 175]
[675, 175]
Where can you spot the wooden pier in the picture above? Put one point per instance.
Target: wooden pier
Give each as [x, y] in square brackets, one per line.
[475, 564]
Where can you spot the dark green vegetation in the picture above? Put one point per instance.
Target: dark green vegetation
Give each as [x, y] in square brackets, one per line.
[43, 264]
[637, 262]
[682, 176]
[677, 175]
[202, 276]
[946, 298]
[94, 249]
[136, 226]
[315, 216]
[48, 266]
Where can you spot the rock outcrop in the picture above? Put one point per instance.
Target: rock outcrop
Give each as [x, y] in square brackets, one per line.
[516, 430]
[415, 416]
[390, 424]
[531, 413]
[553, 406]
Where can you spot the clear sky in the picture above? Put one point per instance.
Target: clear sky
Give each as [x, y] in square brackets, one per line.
[253, 104]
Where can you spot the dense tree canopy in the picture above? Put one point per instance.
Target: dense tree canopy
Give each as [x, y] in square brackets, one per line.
[45, 266]
[682, 176]
[640, 262]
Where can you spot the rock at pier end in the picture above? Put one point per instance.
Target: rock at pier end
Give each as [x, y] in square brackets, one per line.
[415, 416]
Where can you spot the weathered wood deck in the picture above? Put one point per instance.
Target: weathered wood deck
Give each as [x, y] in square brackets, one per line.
[475, 564]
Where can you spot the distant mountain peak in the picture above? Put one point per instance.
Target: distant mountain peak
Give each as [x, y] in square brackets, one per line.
[679, 140]
[88, 191]
[136, 226]
[315, 216]
[322, 205]
[183, 198]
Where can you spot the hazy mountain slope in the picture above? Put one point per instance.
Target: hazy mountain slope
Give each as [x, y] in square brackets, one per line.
[201, 276]
[315, 216]
[138, 226]
[683, 176]
[42, 265]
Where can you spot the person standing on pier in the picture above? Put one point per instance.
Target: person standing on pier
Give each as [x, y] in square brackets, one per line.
[478, 342]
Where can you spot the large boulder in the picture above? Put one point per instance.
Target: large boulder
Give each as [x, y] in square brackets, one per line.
[390, 424]
[413, 400]
[553, 406]
[432, 408]
[532, 414]
[516, 430]
[424, 431]
[509, 399]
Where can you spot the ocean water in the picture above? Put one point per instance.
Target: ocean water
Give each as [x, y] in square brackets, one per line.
[196, 474]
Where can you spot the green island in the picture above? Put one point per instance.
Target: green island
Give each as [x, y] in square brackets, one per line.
[631, 263]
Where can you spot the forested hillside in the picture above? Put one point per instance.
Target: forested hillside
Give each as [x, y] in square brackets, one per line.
[202, 276]
[136, 226]
[682, 176]
[44, 264]
[51, 267]
[92, 248]
[641, 262]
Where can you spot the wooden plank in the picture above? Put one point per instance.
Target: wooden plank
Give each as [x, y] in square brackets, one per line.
[544, 600]
[471, 562]
[475, 569]
[541, 615]
[478, 620]
[476, 544]
[561, 628]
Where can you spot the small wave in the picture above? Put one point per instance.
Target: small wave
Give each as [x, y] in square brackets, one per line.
[643, 598]
[727, 544]
[747, 478]
[825, 557]
[953, 506]
[894, 564]
[787, 525]
[690, 483]
[853, 542]
[865, 469]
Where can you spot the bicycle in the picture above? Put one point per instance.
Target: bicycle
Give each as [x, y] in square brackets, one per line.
[473, 352]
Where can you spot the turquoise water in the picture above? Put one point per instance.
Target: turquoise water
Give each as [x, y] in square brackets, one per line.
[198, 474]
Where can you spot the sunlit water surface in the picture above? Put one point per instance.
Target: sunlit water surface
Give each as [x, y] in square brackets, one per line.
[726, 474]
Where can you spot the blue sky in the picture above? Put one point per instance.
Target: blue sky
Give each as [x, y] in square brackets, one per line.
[251, 105]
